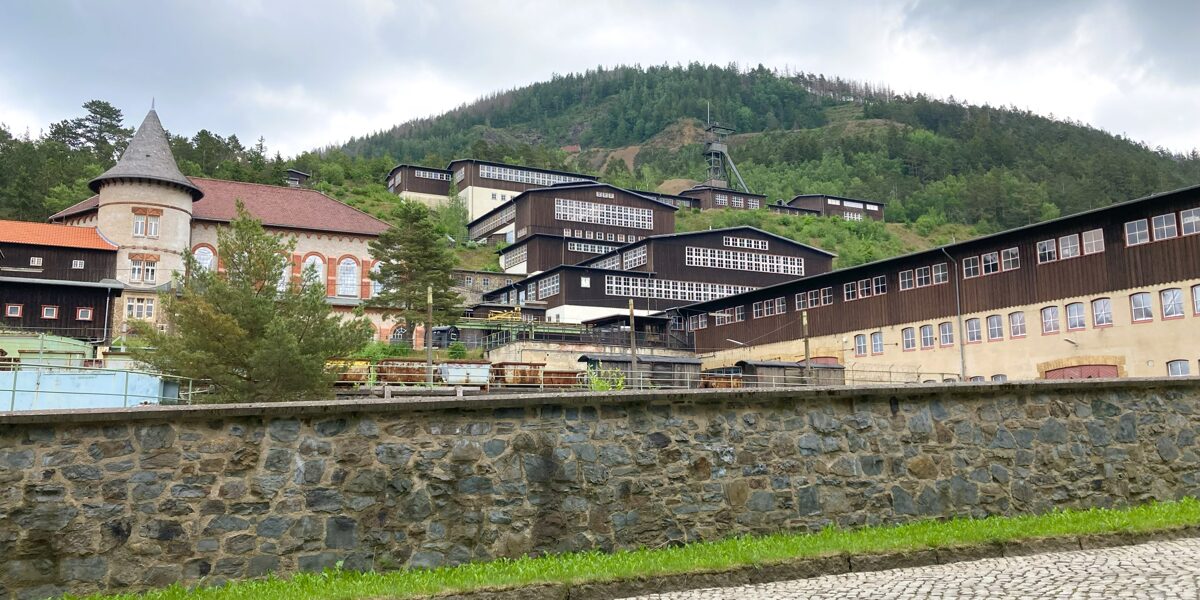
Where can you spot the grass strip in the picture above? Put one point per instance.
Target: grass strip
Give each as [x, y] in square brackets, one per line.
[735, 552]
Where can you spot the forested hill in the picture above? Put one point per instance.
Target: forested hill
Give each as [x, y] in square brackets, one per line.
[932, 161]
[801, 133]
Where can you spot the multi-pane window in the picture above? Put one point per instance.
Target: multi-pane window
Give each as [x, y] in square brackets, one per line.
[432, 175]
[611, 263]
[377, 285]
[909, 338]
[991, 263]
[927, 336]
[139, 225]
[1164, 227]
[696, 322]
[718, 258]
[815, 299]
[1196, 299]
[999, 378]
[524, 176]
[143, 271]
[152, 227]
[1140, 306]
[1137, 232]
[974, 331]
[635, 257]
[581, 211]
[1016, 324]
[880, 285]
[347, 278]
[850, 291]
[877, 342]
[1102, 312]
[77, 264]
[589, 248]
[995, 325]
[970, 267]
[752, 203]
[721, 199]
[729, 315]
[515, 257]
[1075, 316]
[1190, 219]
[1068, 246]
[1010, 259]
[741, 242]
[924, 277]
[1093, 241]
[35, 261]
[780, 305]
[906, 280]
[738, 202]
[1046, 251]
[624, 286]
[312, 272]
[864, 288]
[941, 273]
[860, 345]
[1179, 368]
[801, 301]
[1050, 319]
[205, 258]
[139, 308]
[826, 296]
[1172, 303]
[946, 333]
[548, 286]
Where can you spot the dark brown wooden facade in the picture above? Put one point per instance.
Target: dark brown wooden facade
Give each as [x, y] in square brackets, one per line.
[61, 290]
[714, 197]
[850, 209]
[421, 180]
[548, 239]
[470, 172]
[1115, 268]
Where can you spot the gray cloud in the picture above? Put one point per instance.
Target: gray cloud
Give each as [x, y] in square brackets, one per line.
[308, 73]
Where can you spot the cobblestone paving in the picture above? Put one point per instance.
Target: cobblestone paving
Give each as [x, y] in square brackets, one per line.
[1169, 570]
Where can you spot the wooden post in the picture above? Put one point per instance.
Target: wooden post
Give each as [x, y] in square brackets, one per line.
[633, 364]
[429, 336]
[807, 357]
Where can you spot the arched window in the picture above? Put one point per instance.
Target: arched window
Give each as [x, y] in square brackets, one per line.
[1102, 312]
[205, 258]
[314, 270]
[909, 338]
[877, 342]
[347, 278]
[1179, 368]
[926, 336]
[1000, 378]
[946, 333]
[860, 345]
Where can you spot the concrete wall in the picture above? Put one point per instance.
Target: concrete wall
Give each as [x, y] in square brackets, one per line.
[130, 499]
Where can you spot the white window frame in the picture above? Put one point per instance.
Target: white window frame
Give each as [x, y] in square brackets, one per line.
[1093, 241]
[990, 263]
[1102, 312]
[860, 344]
[1010, 259]
[1016, 324]
[139, 225]
[970, 267]
[1137, 232]
[1165, 227]
[908, 337]
[1047, 251]
[50, 312]
[1189, 221]
[941, 273]
[1050, 320]
[946, 333]
[877, 342]
[1179, 368]
[1141, 307]
[974, 330]
[927, 341]
[1076, 316]
[347, 278]
[906, 280]
[1068, 246]
[1172, 303]
[995, 327]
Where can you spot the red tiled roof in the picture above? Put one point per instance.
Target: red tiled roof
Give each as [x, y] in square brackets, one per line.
[44, 234]
[274, 205]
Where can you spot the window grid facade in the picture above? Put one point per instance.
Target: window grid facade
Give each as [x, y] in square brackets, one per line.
[589, 248]
[526, 176]
[718, 258]
[423, 174]
[634, 258]
[548, 286]
[581, 211]
[740, 242]
[666, 289]
[515, 257]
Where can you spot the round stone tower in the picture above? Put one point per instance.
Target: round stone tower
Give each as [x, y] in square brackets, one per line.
[145, 208]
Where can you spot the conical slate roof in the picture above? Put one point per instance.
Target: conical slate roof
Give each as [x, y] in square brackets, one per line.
[148, 158]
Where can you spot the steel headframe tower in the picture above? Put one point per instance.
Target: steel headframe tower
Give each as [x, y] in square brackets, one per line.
[716, 155]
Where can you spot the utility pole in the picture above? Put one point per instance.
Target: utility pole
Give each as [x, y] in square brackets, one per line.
[633, 363]
[807, 364]
[429, 336]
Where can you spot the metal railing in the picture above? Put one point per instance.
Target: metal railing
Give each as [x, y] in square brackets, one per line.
[27, 385]
[673, 340]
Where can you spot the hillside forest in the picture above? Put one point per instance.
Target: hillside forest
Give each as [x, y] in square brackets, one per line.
[947, 169]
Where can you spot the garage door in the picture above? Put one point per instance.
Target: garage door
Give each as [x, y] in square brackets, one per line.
[1082, 372]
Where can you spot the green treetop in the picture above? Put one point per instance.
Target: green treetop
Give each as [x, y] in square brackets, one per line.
[414, 254]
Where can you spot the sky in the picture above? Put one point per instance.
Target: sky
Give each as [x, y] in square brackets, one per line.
[306, 74]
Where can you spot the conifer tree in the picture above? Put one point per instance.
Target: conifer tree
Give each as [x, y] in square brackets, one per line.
[250, 330]
[414, 254]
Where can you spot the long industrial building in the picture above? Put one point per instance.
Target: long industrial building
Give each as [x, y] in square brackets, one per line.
[1112, 292]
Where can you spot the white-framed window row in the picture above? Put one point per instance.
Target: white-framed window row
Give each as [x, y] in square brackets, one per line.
[589, 248]
[634, 258]
[865, 288]
[920, 277]
[515, 257]
[697, 321]
[736, 314]
[611, 263]
[719, 258]
[580, 211]
[769, 308]
[438, 175]
[526, 176]
[496, 221]
[143, 271]
[139, 308]
[347, 278]
[1162, 227]
[814, 298]
[35, 261]
[625, 286]
[741, 242]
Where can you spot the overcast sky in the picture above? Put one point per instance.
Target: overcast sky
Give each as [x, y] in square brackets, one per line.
[305, 74]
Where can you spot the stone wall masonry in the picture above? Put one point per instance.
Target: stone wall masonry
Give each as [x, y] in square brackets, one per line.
[137, 498]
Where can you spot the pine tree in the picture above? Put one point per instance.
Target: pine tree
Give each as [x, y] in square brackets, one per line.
[256, 336]
[414, 254]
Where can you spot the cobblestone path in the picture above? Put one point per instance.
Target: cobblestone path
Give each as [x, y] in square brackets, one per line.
[1168, 570]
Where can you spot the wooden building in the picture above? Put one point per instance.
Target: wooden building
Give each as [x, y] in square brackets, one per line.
[57, 279]
[568, 223]
[711, 197]
[422, 184]
[665, 271]
[1112, 291]
[850, 209]
[471, 285]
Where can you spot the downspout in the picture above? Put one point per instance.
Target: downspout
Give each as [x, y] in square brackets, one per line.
[962, 346]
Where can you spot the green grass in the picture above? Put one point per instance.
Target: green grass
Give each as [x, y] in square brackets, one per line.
[711, 556]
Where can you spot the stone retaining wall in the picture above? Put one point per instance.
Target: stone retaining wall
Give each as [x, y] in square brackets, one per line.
[137, 498]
